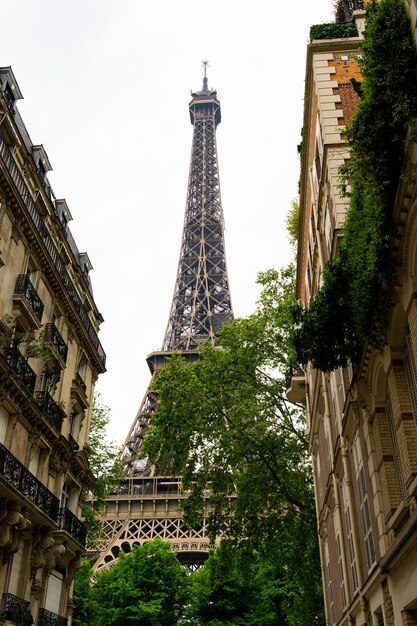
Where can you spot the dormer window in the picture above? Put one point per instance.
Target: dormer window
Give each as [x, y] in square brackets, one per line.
[41, 161]
[63, 212]
[9, 88]
[41, 170]
[84, 262]
[9, 96]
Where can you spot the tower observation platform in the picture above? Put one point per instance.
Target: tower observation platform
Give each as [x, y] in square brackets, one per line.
[146, 506]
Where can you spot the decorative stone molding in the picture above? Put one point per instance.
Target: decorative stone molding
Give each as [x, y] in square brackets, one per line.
[43, 543]
[55, 554]
[73, 566]
[13, 522]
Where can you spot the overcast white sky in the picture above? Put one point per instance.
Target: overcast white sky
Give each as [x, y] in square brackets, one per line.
[106, 87]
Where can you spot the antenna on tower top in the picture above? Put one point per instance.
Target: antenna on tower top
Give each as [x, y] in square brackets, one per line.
[205, 84]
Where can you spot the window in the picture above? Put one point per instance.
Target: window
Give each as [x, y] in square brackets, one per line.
[53, 592]
[364, 502]
[4, 421]
[340, 569]
[329, 583]
[75, 424]
[379, 619]
[395, 448]
[349, 537]
[410, 366]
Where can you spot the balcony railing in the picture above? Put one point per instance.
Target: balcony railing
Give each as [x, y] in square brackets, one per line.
[15, 610]
[52, 335]
[16, 475]
[53, 412]
[80, 381]
[72, 525]
[39, 224]
[150, 486]
[21, 367]
[25, 288]
[73, 443]
[47, 618]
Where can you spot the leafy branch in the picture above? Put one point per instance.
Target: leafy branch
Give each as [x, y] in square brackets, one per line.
[353, 303]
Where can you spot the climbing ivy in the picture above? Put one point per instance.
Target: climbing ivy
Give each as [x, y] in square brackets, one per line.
[353, 303]
[333, 31]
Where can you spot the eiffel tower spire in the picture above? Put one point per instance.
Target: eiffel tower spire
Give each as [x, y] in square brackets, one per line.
[201, 301]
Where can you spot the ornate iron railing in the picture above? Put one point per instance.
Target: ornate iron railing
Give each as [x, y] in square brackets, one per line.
[25, 288]
[39, 224]
[72, 525]
[80, 381]
[73, 443]
[47, 618]
[50, 408]
[150, 486]
[16, 474]
[21, 367]
[52, 334]
[15, 610]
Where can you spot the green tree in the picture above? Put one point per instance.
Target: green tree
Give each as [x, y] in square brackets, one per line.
[142, 588]
[292, 222]
[104, 460]
[352, 306]
[237, 587]
[225, 425]
[84, 608]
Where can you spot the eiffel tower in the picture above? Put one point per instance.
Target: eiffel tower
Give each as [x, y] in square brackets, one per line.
[146, 506]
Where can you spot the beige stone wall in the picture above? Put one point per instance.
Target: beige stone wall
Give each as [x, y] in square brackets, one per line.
[371, 405]
[44, 460]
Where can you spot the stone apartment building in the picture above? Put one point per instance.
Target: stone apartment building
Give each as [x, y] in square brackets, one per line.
[362, 419]
[50, 357]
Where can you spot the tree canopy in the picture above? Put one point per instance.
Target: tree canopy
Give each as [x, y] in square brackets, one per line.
[104, 461]
[244, 588]
[225, 425]
[141, 589]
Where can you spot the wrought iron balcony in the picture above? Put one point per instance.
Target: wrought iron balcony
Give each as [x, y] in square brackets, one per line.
[15, 610]
[53, 412]
[150, 487]
[25, 288]
[16, 475]
[47, 618]
[80, 381]
[53, 336]
[21, 367]
[72, 525]
[73, 443]
[59, 265]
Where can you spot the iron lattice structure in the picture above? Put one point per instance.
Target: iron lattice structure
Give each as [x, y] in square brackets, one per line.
[201, 304]
[201, 301]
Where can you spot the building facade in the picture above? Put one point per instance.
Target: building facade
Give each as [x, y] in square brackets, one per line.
[362, 419]
[50, 357]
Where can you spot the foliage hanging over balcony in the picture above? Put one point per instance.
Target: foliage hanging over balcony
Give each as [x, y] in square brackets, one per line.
[333, 31]
[353, 303]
